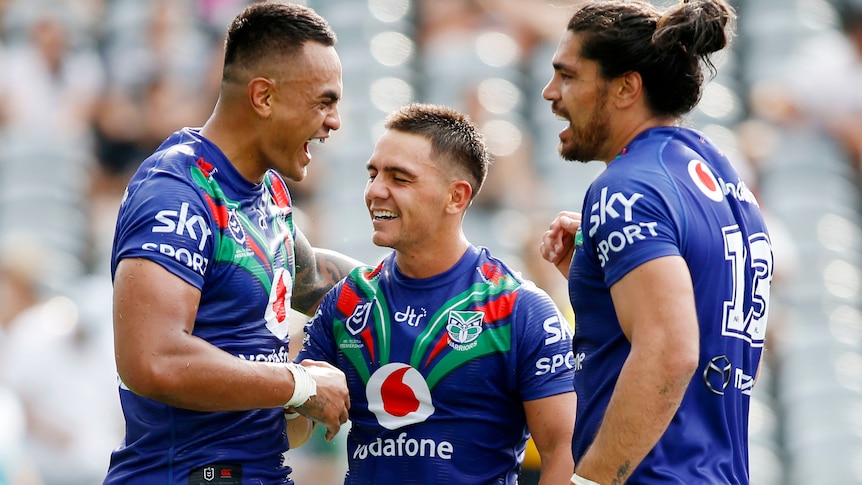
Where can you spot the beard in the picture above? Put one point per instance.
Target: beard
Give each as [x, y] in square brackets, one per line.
[585, 144]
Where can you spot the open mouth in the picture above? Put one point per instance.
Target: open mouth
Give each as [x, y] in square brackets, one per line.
[318, 141]
[382, 215]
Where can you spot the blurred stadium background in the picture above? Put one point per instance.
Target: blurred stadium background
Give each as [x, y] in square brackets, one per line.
[89, 87]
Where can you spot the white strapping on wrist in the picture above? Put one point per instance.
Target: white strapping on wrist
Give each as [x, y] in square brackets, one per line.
[304, 386]
[579, 480]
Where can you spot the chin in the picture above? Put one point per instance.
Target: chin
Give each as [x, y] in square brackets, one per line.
[381, 241]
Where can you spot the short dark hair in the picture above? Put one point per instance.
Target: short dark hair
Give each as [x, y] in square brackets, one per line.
[453, 135]
[265, 29]
[665, 47]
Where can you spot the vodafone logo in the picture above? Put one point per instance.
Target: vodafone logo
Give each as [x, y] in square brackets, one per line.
[705, 180]
[277, 311]
[399, 396]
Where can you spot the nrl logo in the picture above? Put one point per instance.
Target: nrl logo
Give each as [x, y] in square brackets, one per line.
[359, 319]
[464, 328]
[235, 227]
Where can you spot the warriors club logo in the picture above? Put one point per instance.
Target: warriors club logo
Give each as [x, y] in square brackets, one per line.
[464, 328]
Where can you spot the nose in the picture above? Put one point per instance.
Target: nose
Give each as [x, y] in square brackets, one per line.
[550, 91]
[333, 120]
[374, 189]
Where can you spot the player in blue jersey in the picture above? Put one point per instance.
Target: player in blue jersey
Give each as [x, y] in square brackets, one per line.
[452, 358]
[671, 284]
[207, 262]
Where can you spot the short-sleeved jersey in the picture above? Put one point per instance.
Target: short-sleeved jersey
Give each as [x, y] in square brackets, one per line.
[672, 193]
[189, 210]
[439, 368]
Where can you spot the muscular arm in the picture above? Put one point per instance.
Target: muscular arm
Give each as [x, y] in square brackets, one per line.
[551, 421]
[158, 357]
[317, 270]
[655, 307]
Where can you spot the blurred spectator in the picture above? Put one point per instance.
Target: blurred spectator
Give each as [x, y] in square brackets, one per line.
[470, 59]
[14, 469]
[48, 91]
[56, 354]
[818, 86]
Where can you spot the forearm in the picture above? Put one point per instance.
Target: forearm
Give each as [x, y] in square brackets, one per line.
[557, 466]
[646, 397]
[201, 377]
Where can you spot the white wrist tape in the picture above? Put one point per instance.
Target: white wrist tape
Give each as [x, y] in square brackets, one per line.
[304, 386]
[578, 480]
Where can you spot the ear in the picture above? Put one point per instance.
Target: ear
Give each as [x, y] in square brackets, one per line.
[627, 89]
[460, 193]
[260, 96]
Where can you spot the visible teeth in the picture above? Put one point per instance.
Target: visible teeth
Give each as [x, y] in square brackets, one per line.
[319, 141]
[380, 214]
[562, 118]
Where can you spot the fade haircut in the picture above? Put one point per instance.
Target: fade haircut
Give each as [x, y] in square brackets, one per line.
[665, 47]
[454, 138]
[271, 29]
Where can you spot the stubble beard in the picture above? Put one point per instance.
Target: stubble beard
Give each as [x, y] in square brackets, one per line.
[585, 144]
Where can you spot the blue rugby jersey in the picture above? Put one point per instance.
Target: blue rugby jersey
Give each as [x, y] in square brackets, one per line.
[671, 192]
[189, 210]
[439, 368]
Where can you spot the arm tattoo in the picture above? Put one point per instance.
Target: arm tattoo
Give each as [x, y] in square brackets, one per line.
[317, 270]
[622, 473]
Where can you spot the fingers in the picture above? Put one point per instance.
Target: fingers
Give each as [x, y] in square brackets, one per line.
[331, 404]
[559, 240]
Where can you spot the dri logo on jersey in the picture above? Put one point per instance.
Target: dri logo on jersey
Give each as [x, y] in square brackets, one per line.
[277, 311]
[464, 328]
[398, 396]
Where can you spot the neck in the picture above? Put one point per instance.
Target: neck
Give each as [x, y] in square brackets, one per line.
[234, 135]
[631, 132]
[429, 260]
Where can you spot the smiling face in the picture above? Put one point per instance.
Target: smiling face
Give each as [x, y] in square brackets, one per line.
[303, 108]
[407, 195]
[579, 95]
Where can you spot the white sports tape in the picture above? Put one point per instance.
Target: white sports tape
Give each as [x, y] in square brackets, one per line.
[579, 480]
[304, 386]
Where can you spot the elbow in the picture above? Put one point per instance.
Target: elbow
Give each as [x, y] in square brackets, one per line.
[143, 379]
[683, 362]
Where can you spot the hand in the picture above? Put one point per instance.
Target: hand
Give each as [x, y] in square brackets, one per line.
[299, 429]
[329, 406]
[558, 242]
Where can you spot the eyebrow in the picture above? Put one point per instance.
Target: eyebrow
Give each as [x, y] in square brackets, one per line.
[331, 95]
[559, 66]
[399, 170]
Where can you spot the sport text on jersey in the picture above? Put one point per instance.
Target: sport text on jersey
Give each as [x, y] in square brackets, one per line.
[614, 206]
[193, 227]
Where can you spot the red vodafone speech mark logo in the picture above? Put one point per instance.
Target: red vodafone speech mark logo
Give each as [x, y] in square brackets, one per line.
[704, 179]
[398, 396]
[398, 399]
